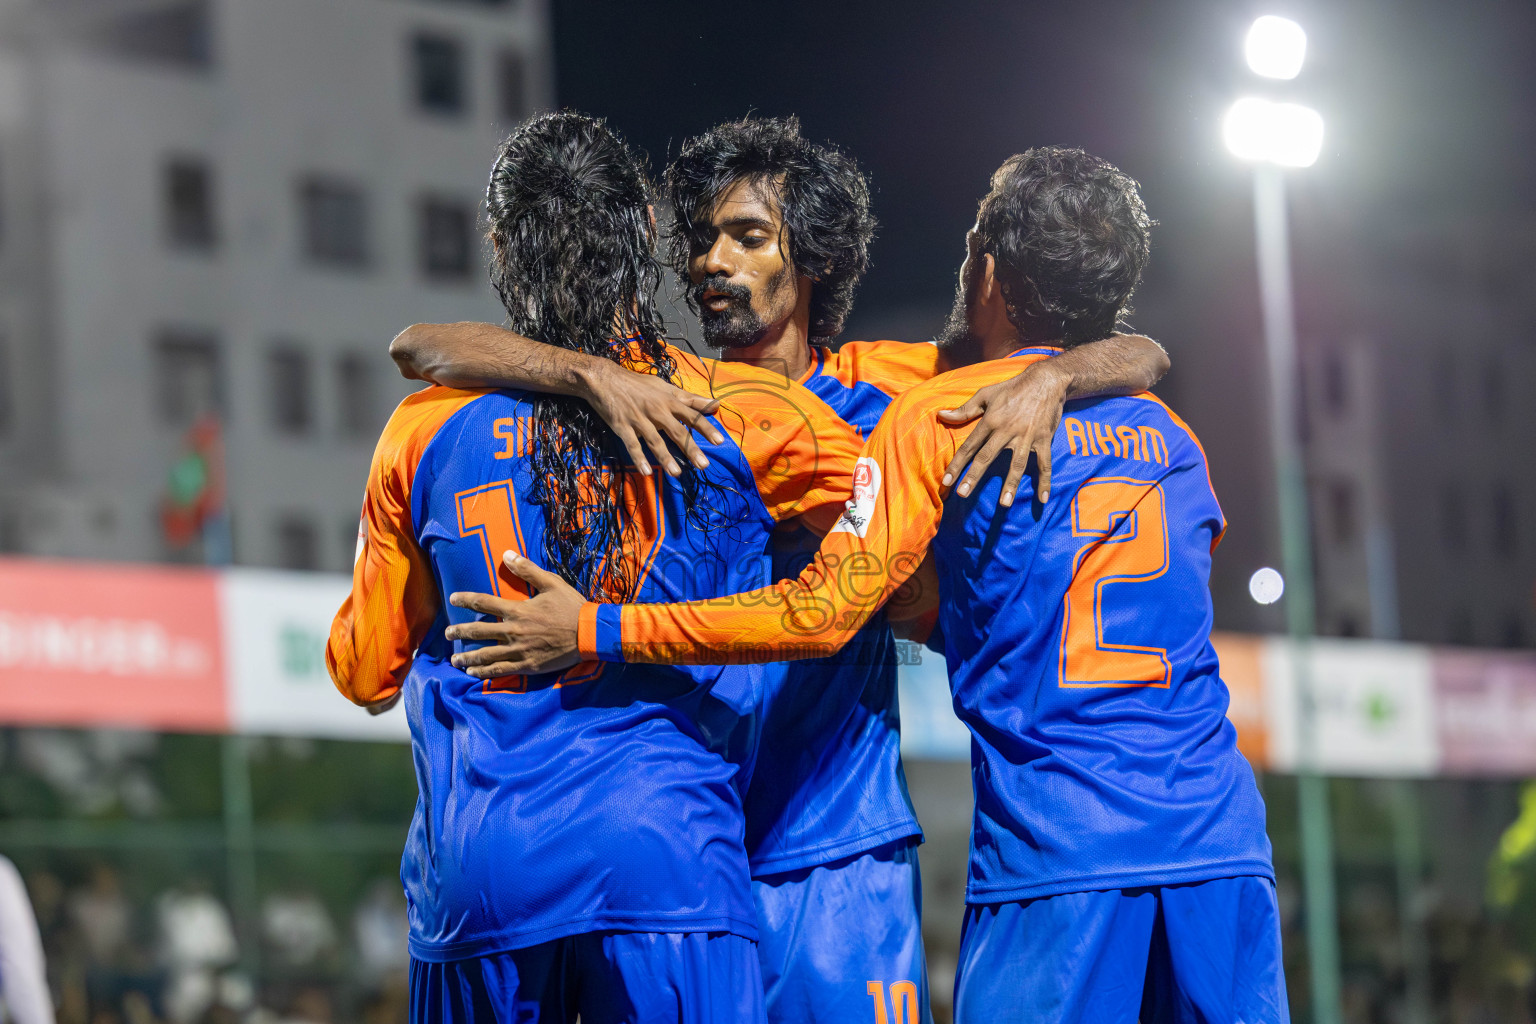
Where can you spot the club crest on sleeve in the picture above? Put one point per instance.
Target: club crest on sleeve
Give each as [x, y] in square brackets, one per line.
[861, 507]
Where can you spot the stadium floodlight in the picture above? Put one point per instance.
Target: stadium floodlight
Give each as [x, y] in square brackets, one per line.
[1266, 585]
[1275, 47]
[1274, 136]
[1287, 134]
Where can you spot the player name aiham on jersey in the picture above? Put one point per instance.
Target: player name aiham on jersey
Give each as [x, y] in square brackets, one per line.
[1141, 442]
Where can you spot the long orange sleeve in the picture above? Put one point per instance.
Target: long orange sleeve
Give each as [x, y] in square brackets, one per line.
[394, 596]
[874, 548]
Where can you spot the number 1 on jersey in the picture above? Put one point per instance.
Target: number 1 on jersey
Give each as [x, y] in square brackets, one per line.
[491, 512]
[1126, 522]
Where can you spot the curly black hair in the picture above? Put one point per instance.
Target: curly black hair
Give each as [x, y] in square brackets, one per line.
[575, 265]
[821, 192]
[1071, 238]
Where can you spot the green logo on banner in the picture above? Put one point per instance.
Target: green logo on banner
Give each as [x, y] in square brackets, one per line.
[1380, 710]
[303, 653]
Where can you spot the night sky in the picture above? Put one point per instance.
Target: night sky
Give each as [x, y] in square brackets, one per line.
[1430, 111]
[1424, 102]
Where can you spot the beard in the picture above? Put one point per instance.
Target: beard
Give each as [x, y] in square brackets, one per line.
[957, 335]
[738, 325]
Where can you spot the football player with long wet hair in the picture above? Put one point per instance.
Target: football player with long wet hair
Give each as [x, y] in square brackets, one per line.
[577, 847]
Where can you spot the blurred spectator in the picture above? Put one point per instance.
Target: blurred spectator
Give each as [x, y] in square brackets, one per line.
[298, 929]
[312, 1005]
[197, 939]
[379, 928]
[94, 770]
[23, 979]
[102, 916]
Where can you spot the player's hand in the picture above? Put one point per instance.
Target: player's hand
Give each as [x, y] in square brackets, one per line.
[387, 704]
[1019, 414]
[645, 412]
[533, 636]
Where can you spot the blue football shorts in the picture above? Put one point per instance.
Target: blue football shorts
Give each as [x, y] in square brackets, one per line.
[842, 943]
[1203, 953]
[604, 977]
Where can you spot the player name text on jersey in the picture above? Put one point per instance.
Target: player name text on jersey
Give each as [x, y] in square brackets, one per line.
[1144, 444]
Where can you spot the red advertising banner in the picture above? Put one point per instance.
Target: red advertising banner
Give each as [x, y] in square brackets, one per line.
[242, 650]
[96, 644]
[1242, 669]
[1485, 712]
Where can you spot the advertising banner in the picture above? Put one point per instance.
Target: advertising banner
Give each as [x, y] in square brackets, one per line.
[929, 728]
[1485, 712]
[276, 624]
[98, 644]
[243, 650]
[1242, 669]
[1373, 708]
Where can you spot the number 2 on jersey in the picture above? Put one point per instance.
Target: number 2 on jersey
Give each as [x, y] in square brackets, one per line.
[1126, 523]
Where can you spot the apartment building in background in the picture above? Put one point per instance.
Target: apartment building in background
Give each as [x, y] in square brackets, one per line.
[229, 207]
[1421, 443]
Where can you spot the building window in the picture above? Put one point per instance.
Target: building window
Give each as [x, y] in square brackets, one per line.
[188, 377]
[297, 542]
[512, 85]
[446, 229]
[1336, 384]
[1343, 513]
[288, 373]
[439, 74]
[7, 388]
[1459, 628]
[1446, 397]
[10, 530]
[175, 32]
[355, 396]
[335, 222]
[1493, 390]
[1506, 527]
[1453, 520]
[350, 535]
[189, 214]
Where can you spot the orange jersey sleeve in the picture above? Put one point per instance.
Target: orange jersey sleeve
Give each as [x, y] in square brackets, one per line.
[394, 596]
[876, 545]
[801, 452]
[894, 367]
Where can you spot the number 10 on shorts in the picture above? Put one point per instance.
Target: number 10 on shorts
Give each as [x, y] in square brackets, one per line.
[903, 1005]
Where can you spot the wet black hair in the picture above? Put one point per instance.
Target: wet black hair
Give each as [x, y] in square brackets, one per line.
[575, 265]
[1070, 237]
[822, 195]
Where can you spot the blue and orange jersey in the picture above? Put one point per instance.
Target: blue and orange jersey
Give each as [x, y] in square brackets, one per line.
[829, 780]
[860, 378]
[1077, 635]
[603, 797]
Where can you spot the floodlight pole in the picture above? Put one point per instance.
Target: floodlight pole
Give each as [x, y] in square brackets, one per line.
[1274, 260]
[240, 850]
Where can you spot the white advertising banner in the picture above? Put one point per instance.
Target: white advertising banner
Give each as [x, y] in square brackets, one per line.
[275, 628]
[1374, 708]
[243, 650]
[929, 729]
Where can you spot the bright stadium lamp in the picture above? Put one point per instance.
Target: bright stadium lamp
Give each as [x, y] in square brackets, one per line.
[1275, 47]
[1287, 134]
[1266, 586]
[1274, 136]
